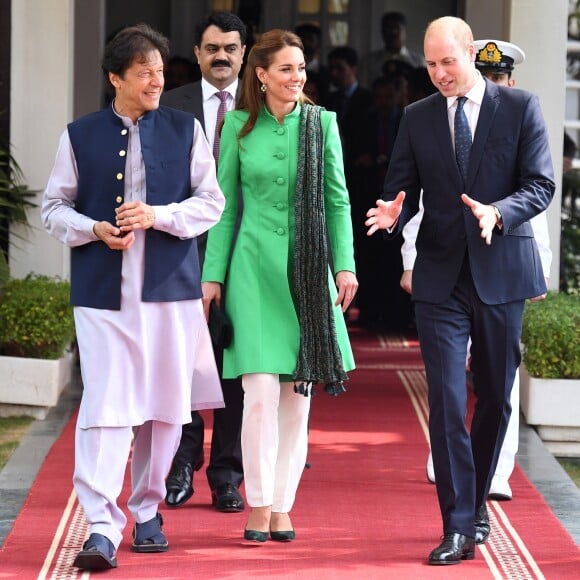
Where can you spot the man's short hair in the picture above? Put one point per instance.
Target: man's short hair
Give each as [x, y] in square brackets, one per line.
[131, 43]
[345, 53]
[397, 17]
[307, 28]
[225, 21]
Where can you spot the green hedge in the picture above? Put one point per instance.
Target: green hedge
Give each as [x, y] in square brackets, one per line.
[36, 318]
[551, 336]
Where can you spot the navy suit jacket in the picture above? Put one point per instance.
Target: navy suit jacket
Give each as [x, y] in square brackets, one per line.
[186, 98]
[510, 167]
[189, 98]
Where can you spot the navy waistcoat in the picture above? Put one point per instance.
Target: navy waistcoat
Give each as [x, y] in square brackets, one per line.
[100, 144]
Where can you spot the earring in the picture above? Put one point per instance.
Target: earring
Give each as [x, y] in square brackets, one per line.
[263, 87]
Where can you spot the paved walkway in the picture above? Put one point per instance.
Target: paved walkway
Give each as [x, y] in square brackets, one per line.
[17, 477]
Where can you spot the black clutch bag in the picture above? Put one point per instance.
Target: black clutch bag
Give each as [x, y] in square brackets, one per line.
[220, 328]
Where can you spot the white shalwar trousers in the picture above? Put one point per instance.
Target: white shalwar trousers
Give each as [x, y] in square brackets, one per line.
[101, 455]
[274, 440]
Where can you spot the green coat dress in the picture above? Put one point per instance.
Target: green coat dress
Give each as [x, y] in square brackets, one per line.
[266, 333]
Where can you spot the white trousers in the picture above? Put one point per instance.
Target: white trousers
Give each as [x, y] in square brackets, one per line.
[101, 455]
[274, 441]
[507, 455]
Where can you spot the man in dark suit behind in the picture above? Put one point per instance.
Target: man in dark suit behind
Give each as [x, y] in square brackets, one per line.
[220, 43]
[352, 103]
[477, 261]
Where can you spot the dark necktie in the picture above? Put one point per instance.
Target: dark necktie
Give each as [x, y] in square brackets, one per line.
[462, 138]
[223, 97]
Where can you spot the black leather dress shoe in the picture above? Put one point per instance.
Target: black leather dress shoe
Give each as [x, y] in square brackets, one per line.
[454, 548]
[179, 482]
[482, 525]
[226, 498]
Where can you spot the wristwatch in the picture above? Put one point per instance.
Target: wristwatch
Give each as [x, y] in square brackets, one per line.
[497, 215]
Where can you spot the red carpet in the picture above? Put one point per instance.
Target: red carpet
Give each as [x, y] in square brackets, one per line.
[364, 508]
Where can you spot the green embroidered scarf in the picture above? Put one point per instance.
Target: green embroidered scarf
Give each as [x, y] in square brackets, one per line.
[319, 359]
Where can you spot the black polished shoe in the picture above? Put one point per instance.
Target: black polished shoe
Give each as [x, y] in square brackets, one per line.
[454, 548]
[179, 482]
[482, 525]
[226, 498]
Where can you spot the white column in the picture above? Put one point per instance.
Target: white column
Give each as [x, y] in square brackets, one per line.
[541, 30]
[40, 107]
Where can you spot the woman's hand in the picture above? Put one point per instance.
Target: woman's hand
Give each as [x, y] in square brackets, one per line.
[211, 291]
[347, 285]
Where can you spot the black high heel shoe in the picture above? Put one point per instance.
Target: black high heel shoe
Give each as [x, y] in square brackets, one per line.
[255, 536]
[283, 536]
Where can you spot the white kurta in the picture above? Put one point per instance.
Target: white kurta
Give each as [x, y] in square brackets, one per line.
[148, 360]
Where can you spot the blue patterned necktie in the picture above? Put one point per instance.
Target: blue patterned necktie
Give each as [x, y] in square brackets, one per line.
[462, 138]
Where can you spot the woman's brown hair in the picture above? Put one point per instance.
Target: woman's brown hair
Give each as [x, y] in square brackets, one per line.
[261, 55]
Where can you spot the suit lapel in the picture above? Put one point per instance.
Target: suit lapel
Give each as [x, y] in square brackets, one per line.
[484, 123]
[197, 103]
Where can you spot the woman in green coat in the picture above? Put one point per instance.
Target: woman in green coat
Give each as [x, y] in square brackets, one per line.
[285, 305]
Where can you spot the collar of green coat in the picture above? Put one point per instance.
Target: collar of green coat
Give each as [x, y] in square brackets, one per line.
[294, 115]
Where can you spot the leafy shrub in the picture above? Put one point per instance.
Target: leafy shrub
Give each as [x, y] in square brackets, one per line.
[36, 318]
[15, 197]
[551, 336]
[570, 239]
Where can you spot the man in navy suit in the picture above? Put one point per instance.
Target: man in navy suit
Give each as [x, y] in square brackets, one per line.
[220, 43]
[477, 262]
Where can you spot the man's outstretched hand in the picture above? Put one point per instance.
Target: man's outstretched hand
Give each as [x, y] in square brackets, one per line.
[385, 214]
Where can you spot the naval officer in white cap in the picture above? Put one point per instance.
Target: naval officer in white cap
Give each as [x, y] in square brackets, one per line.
[495, 59]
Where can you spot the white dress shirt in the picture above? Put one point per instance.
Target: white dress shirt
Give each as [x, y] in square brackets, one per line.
[211, 103]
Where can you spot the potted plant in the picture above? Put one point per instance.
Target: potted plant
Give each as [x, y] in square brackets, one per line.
[36, 332]
[15, 199]
[550, 374]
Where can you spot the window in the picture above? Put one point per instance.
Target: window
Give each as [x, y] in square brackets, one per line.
[332, 16]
